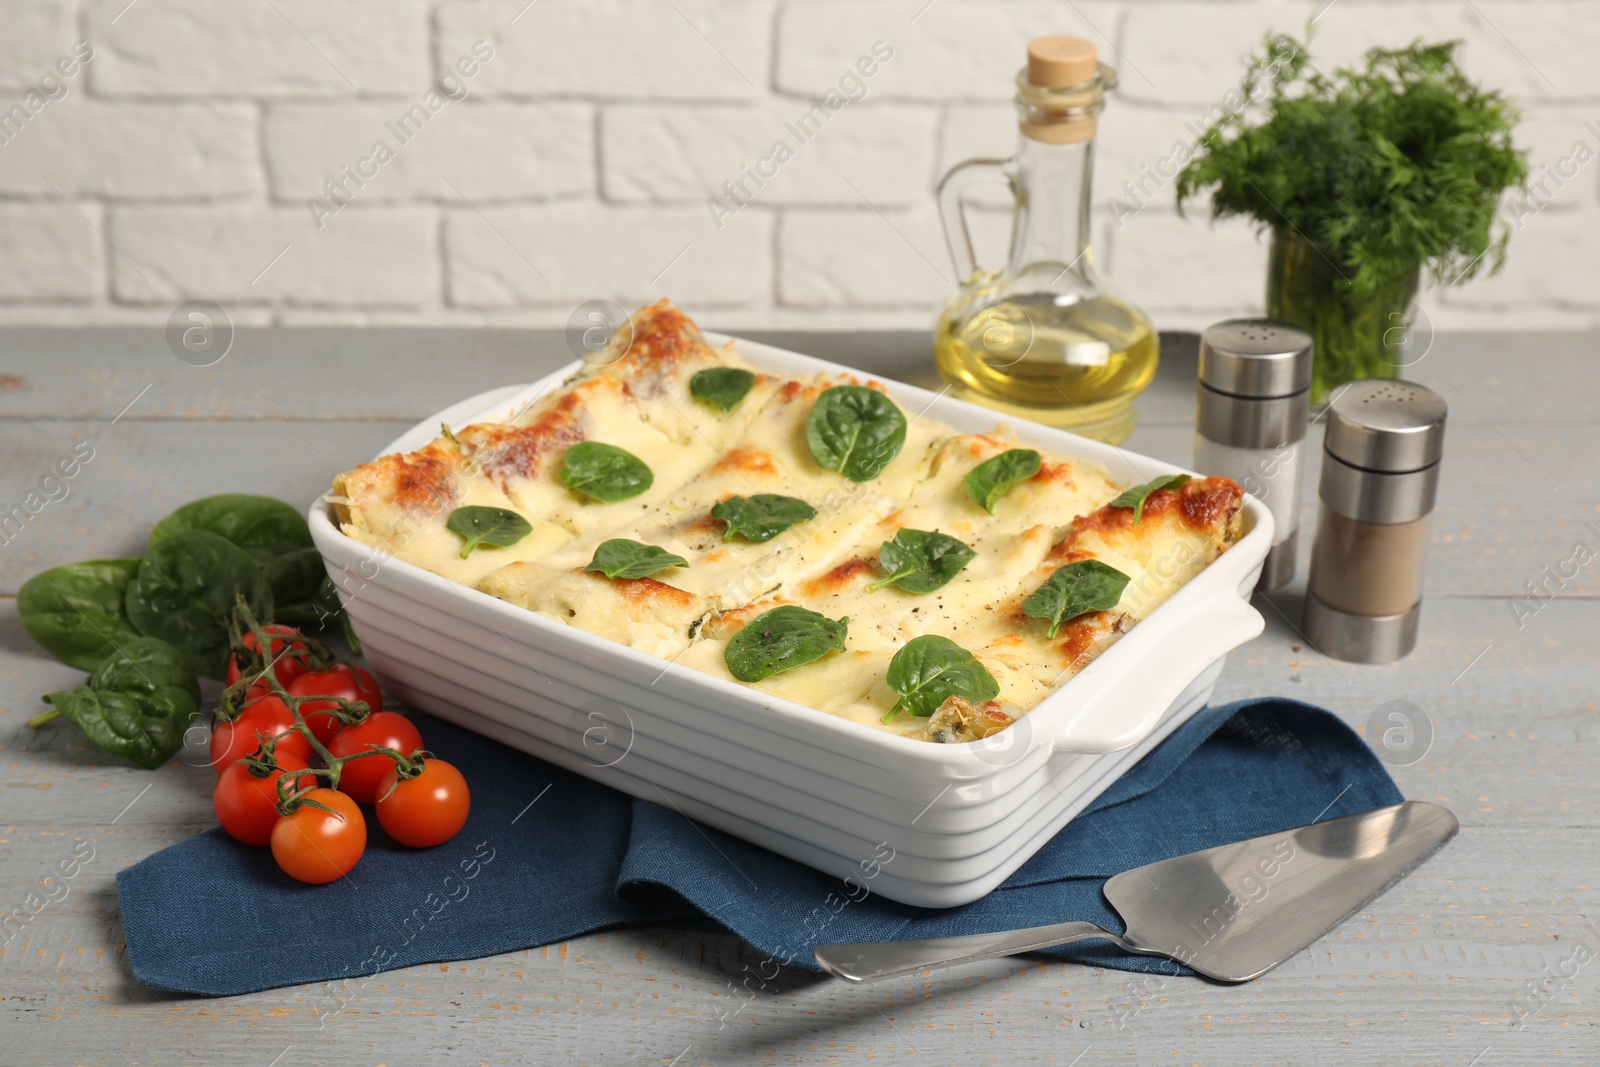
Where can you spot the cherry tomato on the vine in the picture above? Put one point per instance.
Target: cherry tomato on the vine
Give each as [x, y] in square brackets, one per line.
[426, 810]
[340, 680]
[361, 777]
[247, 806]
[269, 717]
[287, 666]
[319, 846]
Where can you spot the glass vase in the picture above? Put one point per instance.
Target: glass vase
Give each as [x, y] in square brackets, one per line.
[1356, 336]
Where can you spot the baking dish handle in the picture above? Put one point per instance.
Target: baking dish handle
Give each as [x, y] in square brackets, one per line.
[1209, 632]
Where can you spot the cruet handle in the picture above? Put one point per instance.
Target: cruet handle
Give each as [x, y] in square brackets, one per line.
[952, 210]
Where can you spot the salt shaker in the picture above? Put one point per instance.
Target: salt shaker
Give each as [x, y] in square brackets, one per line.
[1255, 377]
[1380, 473]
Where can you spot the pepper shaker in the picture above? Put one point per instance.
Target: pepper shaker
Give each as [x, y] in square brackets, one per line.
[1380, 474]
[1255, 381]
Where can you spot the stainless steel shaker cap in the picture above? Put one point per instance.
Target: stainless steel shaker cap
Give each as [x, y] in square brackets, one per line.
[1255, 358]
[1388, 425]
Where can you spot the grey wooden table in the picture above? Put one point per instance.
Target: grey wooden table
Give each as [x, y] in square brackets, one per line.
[1485, 956]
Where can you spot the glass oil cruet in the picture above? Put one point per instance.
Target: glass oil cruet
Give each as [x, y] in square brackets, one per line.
[1045, 338]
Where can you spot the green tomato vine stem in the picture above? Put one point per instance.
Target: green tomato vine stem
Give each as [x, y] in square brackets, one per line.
[291, 798]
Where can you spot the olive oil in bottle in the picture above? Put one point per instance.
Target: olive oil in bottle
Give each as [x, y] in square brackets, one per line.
[1046, 338]
[1077, 366]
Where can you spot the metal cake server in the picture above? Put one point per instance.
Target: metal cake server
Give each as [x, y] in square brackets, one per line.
[1232, 912]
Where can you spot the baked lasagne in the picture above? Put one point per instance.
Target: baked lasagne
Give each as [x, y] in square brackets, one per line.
[803, 537]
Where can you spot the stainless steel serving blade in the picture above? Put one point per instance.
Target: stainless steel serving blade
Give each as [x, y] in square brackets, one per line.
[1232, 912]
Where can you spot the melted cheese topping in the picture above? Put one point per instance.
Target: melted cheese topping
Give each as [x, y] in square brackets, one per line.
[636, 397]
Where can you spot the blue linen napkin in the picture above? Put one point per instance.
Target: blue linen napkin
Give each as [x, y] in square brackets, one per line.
[212, 916]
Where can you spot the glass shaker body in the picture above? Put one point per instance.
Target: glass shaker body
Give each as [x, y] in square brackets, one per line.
[1380, 477]
[1368, 569]
[1255, 376]
[1276, 477]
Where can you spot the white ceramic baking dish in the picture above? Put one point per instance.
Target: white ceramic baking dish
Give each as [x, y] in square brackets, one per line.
[819, 789]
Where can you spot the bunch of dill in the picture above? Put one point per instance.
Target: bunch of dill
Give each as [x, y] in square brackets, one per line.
[1381, 168]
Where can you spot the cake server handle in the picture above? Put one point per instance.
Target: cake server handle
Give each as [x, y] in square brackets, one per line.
[872, 961]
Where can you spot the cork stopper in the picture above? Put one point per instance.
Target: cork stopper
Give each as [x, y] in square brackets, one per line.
[1059, 61]
[1059, 91]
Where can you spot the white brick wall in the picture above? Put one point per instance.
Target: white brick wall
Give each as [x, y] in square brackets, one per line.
[117, 151]
[561, 150]
[231, 253]
[34, 32]
[258, 48]
[490, 151]
[51, 254]
[679, 153]
[559, 255]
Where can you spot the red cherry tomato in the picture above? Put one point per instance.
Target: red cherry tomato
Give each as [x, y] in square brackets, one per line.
[318, 846]
[361, 777]
[269, 717]
[287, 667]
[341, 680]
[426, 810]
[247, 806]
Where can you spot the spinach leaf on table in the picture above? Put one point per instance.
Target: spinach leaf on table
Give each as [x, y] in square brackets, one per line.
[303, 594]
[761, 517]
[295, 578]
[1076, 589]
[326, 609]
[185, 592]
[988, 481]
[260, 525]
[275, 535]
[931, 669]
[622, 558]
[76, 612]
[856, 431]
[146, 665]
[782, 639]
[604, 472]
[920, 562]
[497, 527]
[137, 704]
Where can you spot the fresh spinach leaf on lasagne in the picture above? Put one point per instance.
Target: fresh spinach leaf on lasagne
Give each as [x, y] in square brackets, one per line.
[622, 558]
[761, 517]
[920, 562]
[498, 527]
[1073, 590]
[721, 387]
[856, 431]
[931, 669]
[604, 472]
[781, 639]
[988, 481]
[1134, 498]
